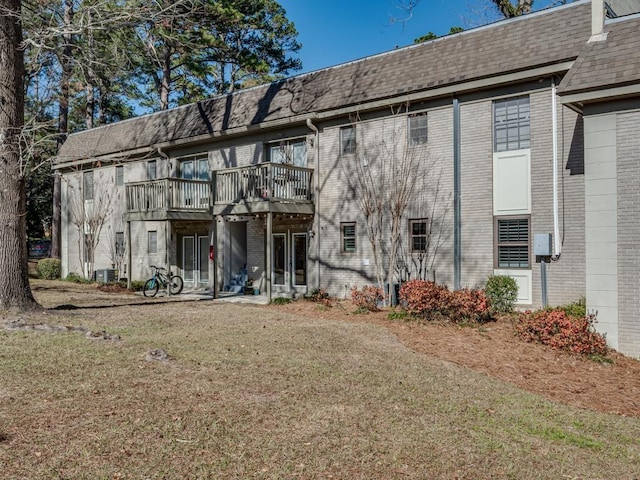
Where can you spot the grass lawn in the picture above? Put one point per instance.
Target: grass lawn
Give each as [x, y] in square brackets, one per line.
[253, 392]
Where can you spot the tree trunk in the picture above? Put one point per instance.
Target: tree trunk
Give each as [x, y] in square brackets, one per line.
[165, 85]
[63, 124]
[15, 291]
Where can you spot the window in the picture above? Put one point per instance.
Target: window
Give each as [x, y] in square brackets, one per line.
[119, 175]
[348, 140]
[152, 172]
[418, 231]
[88, 185]
[348, 237]
[417, 125]
[293, 152]
[512, 242]
[511, 124]
[195, 168]
[119, 244]
[152, 241]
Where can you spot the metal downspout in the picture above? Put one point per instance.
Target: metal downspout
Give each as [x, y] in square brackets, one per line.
[457, 218]
[316, 196]
[554, 127]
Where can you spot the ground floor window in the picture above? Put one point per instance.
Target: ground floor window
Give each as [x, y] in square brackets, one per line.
[418, 231]
[348, 233]
[512, 242]
[152, 241]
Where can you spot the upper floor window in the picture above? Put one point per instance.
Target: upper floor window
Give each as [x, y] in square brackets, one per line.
[348, 234]
[512, 242]
[87, 180]
[348, 140]
[119, 175]
[293, 152]
[417, 126]
[152, 170]
[418, 231]
[195, 168]
[511, 124]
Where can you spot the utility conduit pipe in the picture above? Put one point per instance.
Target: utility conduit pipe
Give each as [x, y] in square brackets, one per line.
[316, 196]
[554, 126]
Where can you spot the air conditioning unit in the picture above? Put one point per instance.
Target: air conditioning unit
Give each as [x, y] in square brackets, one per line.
[105, 275]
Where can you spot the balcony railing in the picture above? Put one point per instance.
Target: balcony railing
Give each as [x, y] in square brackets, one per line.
[169, 194]
[266, 181]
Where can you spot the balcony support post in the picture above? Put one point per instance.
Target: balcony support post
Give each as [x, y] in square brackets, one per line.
[269, 248]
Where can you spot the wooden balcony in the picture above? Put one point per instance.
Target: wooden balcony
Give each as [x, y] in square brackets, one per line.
[169, 199]
[265, 187]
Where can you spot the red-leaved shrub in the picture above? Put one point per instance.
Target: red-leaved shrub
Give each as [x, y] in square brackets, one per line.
[561, 331]
[367, 298]
[430, 300]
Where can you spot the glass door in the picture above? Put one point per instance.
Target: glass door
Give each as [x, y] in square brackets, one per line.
[188, 258]
[280, 270]
[289, 261]
[299, 259]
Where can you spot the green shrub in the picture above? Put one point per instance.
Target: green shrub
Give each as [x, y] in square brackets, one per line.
[280, 301]
[75, 278]
[576, 309]
[502, 293]
[397, 315]
[136, 285]
[49, 268]
[367, 298]
[561, 331]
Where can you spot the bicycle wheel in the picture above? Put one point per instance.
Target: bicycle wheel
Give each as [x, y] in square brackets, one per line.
[176, 284]
[150, 288]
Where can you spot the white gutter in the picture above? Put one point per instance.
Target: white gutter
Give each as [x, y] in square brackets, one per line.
[554, 129]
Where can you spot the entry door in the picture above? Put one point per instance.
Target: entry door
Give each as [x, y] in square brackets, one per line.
[280, 260]
[299, 259]
[289, 259]
[195, 259]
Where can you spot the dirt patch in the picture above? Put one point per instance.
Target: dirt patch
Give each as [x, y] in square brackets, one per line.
[494, 350]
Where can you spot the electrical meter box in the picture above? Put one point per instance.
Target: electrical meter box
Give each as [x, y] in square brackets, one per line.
[542, 244]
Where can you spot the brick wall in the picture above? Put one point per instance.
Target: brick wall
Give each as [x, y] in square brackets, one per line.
[565, 278]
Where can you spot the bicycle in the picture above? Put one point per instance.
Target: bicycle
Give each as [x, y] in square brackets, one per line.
[159, 279]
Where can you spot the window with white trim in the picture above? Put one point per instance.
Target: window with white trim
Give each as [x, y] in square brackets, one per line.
[511, 124]
[348, 140]
[152, 241]
[417, 126]
[512, 237]
[120, 244]
[418, 232]
[348, 234]
[87, 181]
[293, 152]
[119, 175]
[194, 168]
[152, 170]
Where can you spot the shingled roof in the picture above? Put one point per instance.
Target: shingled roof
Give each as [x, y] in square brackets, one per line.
[614, 62]
[544, 38]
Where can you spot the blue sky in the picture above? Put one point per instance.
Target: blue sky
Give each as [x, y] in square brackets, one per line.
[338, 31]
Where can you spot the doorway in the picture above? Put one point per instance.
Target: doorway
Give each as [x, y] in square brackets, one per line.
[289, 261]
[195, 260]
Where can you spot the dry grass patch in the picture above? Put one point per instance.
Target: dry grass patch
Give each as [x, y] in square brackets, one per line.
[253, 392]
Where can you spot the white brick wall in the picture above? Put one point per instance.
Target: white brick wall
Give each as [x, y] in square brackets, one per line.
[628, 251]
[601, 206]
